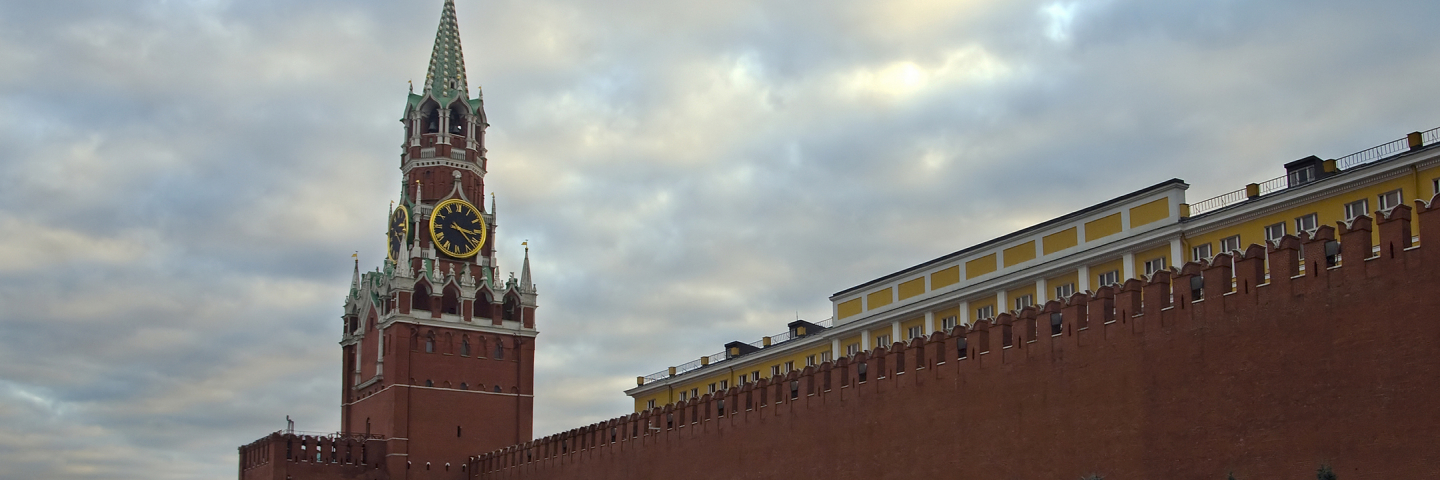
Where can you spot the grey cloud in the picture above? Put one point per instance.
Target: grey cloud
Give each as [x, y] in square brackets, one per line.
[687, 175]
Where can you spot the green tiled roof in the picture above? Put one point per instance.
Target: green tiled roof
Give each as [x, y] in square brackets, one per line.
[445, 80]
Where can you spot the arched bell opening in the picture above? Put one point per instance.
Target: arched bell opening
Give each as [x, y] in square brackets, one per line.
[511, 309]
[421, 299]
[450, 303]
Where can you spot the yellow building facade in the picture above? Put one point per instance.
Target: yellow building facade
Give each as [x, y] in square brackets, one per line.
[1131, 236]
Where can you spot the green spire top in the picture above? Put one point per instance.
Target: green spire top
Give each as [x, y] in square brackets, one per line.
[446, 78]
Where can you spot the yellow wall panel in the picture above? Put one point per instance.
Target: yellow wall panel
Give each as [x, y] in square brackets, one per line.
[1059, 241]
[912, 288]
[1150, 213]
[848, 308]
[879, 298]
[979, 266]
[1020, 253]
[1101, 228]
[945, 278]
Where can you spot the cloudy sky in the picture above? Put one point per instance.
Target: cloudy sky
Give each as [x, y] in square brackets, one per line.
[182, 182]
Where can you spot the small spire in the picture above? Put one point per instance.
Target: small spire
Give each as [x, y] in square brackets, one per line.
[492, 203]
[525, 285]
[355, 277]
[445, 79]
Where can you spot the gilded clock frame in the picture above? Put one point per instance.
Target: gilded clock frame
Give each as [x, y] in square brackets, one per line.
[484, 228]
[392, 252]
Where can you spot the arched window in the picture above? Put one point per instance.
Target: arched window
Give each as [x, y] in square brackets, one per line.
[464, 386]
[429, 383]
[497, 389]
[511, 309]
[465, 347]
[450, 303]
[421, 299]
[499, 350]
[430, 343]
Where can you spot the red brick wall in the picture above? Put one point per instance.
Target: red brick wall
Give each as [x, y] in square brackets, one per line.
[1335, 366]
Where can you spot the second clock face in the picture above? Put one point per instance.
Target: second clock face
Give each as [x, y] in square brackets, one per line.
[399, 231]
[457, 228]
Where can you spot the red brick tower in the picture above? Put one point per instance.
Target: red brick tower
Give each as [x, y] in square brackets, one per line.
[438, 350]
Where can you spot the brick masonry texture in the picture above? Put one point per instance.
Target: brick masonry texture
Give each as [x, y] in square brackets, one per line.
[1329, 365]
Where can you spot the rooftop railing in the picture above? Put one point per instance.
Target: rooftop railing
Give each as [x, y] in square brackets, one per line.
[1366, 156]
[714, 358]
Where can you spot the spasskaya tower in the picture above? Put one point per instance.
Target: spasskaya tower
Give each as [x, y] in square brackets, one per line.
[437, 349]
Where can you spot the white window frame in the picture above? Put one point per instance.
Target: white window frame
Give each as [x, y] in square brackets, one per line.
[1307, 223]
[1434, 186]
[774, 370]
[1230, 244]
[1390, 199]
[809, 360]
[985, 312]
[1024, 301]
[1108, 278]
[914, 332]
[949, 323]
[1274, 232]
[1201, 252]
[1063, 292]
[695, 392]
[852, 349]
[789, 366]
[724, 384]
[682, 395]
[883, 341]
[1357, 208]
[1154, 265]
[650, 404]
[1304, 175]
[711, 388]
[824, 357]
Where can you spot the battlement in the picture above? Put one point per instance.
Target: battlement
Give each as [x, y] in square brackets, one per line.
[1264, 343]
[281, 455]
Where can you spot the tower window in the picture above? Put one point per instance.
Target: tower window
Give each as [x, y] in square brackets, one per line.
[464, 347]
[497, 389]
[430, 343]
[499, 350]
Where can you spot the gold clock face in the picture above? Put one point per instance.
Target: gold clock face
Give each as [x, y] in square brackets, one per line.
[457, 228]
[399, 232]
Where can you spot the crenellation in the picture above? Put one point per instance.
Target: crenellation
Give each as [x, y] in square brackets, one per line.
[1226, 307]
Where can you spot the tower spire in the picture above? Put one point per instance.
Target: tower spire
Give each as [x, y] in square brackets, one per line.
[445, 79]
[525, 270]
